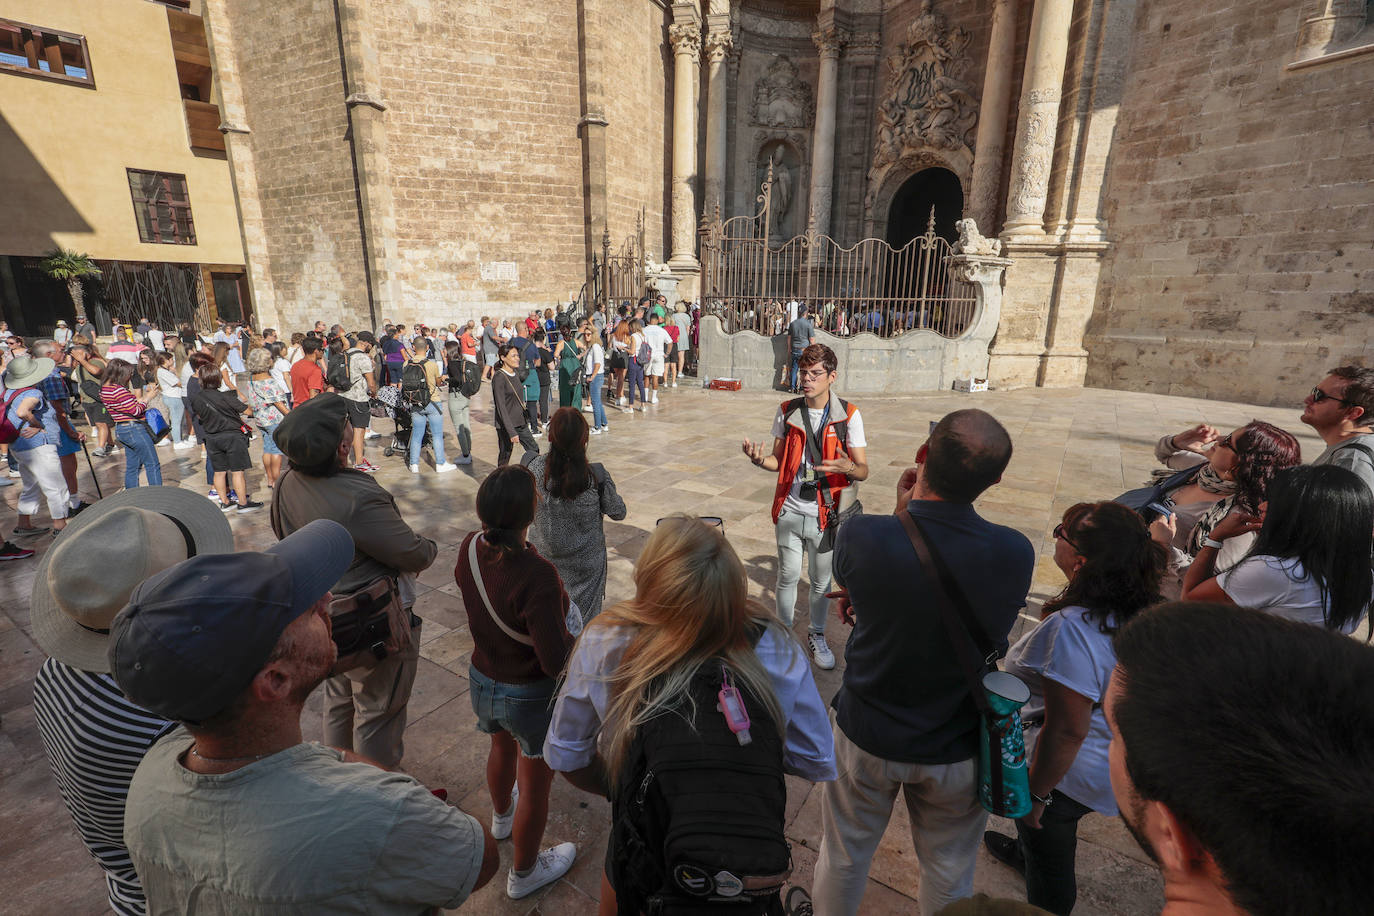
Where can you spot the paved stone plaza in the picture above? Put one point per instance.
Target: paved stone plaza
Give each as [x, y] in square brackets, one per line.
[681, 456]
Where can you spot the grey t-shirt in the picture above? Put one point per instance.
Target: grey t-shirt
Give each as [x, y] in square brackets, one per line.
[1346, 454]
[800, 332]
[298, 832]
[490, 343]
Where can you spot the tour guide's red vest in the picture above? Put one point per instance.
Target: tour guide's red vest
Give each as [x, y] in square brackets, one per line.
[794, 446]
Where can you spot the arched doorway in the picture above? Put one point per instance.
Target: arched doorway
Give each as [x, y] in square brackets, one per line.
[910, 209]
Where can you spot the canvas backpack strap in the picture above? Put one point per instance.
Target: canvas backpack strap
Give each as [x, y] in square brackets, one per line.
[519, 637]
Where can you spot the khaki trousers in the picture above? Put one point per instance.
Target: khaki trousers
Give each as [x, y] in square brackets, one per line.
[946, 827]
[365, 709]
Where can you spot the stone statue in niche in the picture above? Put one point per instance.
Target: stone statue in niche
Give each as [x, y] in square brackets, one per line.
[781, 97]
[786, 164]
[927, 104]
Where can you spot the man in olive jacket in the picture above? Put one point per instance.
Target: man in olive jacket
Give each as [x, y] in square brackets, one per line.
[365, 709]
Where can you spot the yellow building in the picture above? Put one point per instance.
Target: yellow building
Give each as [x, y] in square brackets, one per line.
[110, 145]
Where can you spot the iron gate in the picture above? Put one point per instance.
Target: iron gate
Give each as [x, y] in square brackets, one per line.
[867, 287]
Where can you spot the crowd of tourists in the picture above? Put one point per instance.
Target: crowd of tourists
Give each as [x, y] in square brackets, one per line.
[1223, 728]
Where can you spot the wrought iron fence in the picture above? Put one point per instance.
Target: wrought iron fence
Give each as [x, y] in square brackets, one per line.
[169, 294]
[868, 287]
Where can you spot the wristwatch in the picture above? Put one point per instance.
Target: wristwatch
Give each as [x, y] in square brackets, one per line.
[1046, 801]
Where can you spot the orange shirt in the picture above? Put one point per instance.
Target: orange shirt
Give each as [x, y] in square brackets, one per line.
[307, 380]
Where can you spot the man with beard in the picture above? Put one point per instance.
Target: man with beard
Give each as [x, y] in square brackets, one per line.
[1242, 744]
[234, 811]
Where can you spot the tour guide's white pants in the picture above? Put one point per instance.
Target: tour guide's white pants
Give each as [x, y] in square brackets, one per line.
[799, 537]
[946, 827]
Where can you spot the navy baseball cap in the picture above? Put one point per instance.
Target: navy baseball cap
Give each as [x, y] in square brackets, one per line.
[193, 637]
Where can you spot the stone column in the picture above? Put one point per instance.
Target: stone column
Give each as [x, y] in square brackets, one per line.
[829, 40]
[592, 127]
[686, 40]
[719, 42]
[238, 149]
[992, 116]
[1037, 120]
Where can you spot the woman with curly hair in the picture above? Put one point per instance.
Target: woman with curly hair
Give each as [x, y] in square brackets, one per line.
[1232, 471]
[1311, 559]
[1114, 569]
[638, 659]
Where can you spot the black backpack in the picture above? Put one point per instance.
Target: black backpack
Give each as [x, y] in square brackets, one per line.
[464, 376]
[415, 392]
[696, 817]
[337, 376]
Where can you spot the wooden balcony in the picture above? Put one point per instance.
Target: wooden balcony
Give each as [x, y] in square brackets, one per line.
[202, 125]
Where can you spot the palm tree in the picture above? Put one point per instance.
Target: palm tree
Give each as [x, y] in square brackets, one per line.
[70, 267]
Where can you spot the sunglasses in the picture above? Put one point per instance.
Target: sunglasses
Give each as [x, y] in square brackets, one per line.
[1226, 443]
[1060, 533]
[1318, 396]
[714, 521]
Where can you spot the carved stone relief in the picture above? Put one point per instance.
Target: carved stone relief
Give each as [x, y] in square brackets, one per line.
[1030, 182]
[927, 103]
[781, 97]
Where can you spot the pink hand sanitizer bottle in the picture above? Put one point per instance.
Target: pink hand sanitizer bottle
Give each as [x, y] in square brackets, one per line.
[732, 705]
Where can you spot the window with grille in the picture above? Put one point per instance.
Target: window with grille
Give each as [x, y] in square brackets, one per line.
[45, 53]
[162, 208]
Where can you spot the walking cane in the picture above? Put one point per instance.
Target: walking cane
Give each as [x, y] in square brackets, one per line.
[93, 474]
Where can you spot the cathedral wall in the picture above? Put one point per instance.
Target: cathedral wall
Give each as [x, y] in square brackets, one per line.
[293, 100]
[1240, 207]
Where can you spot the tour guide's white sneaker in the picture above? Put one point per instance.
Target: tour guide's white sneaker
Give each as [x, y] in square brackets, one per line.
[414, 469]
[552, 864]
[501, 823]
[820, 651]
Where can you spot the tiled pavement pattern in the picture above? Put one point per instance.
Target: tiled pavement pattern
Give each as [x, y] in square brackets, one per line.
[681, 456]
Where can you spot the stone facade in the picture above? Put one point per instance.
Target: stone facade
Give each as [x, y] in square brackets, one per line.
[1241, 209]
[1182, 187]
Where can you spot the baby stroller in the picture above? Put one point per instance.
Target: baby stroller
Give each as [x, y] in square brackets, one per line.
[387, 404]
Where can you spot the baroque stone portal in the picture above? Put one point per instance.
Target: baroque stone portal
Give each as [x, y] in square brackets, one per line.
[928, 104]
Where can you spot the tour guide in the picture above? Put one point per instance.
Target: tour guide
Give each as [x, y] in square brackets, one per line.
[811, 493]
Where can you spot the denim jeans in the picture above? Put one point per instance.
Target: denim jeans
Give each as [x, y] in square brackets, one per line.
[176, 414]
[635, 377]
[435, 420]
[800, 535]
[458, 416]
[598, 409]
[141, 453]
[1050, 880]
[792, 384]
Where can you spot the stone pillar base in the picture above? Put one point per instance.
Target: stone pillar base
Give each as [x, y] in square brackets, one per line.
[1063, 369]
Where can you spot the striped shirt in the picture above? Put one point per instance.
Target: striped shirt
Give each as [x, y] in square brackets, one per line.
[121, 403]
[94, 739]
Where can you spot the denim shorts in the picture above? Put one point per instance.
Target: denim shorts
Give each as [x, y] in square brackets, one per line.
[523, 710]
[269, 444]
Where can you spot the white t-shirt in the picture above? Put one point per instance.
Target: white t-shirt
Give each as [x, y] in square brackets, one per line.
[595, 357]
[855, 439]
[281, 371]
[156, 339]
[358, 364]
[658, 340]
[1278, 586]
[185, 374]
[1072, 651]
[171, 385]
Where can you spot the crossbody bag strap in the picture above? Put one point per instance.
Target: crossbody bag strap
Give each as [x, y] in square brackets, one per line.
[815, 450]
[519, 637]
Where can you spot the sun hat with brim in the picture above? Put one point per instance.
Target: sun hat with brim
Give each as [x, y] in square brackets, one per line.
[24, 371]
[101, 557]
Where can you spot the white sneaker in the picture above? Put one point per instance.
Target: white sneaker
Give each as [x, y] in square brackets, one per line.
[820, 651]
[501, 823]
[586, 408]
[182, 446]
[372, 435]
[414, 469]
[674, 383]
[653, 398]
[463, 459]
[595, 431]
[164, 443]
[620, 402]
[552, 864]
[446, 466]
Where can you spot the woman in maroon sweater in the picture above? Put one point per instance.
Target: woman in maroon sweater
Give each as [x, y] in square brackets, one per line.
[517, 613]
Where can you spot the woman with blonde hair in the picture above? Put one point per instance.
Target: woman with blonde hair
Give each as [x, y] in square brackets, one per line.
[637, 661]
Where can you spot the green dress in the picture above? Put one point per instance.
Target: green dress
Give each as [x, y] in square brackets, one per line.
[569, 359]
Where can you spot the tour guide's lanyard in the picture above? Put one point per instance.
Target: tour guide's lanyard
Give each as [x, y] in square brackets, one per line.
[814, 445]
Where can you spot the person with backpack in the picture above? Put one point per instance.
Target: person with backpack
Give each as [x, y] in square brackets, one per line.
[508, 401]
[464, 379]
[351, 374]
[685, 705]
[545, 372]
[819, 454]
[420, 395]
[518, 614]
[127, 411]
[528, 374]
[1341, 410]
[637, 356]
[226, 438]
[28, 425]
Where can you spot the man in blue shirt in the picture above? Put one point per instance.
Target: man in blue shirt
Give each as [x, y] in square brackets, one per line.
[904, 717]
